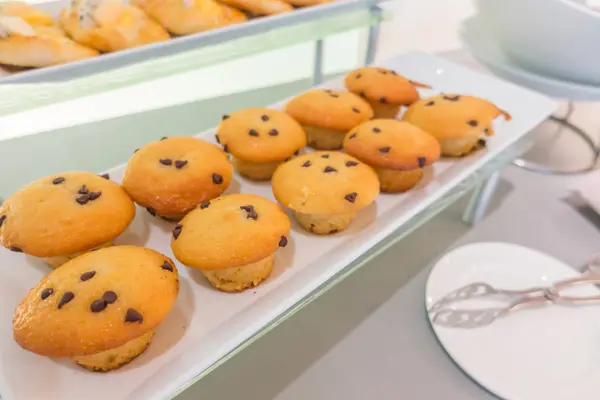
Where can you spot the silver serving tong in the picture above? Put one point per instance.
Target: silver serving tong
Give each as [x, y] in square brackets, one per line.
[517, 300]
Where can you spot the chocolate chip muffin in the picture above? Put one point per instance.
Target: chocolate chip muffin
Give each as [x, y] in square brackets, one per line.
[62, 216]
[259, 140]
[172, 176]
[384, 89]
[325, 190]
[397, 151]
[232, 240]
[457, 121]
[100, 309]
[327, 115]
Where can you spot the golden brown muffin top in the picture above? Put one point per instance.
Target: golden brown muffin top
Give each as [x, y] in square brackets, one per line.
[64, 214]
[261, 135]
[454, 116]
[325, 182]
[230, 231]
[332, 109]
[97, 302]
[383, 85]
[172, 176]
[391, 144]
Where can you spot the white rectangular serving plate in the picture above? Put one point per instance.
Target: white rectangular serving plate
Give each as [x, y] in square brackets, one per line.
[205, 324]
[178, 44]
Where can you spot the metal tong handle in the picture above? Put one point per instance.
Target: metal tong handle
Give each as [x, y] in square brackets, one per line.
[591, 277]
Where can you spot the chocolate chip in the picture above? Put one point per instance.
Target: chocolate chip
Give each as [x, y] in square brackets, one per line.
[325, 156]
[334, 95]
[83, 190]
[87, 275]
[273, 132]
[2, 218]
[46, 293]
[265, 118]
[486, 130]
[253, 215]
[352, 136]
[58, 181]
[94, 195]
[217, 139]
[163, 138]
[204, 205]
[217, 179]
[383, 100]
[482, 143]
[252, 132]
[358, 76]
[385, 149]
[251, 212]
[180, 163]
[136, 150]
[151, 211]
[331, 232]
[15, 249]
[351, 163]
[351, 197]
[283, 241]
[376, 130]
[98, 305]
[312, 227]
[109, 297]
[287, 159]
[225, 117]
[166, 265]
[226, 148]
[67, 297]
[165, 161]
[429, 103]
[177, 231]
[297, 152]
[451, 98]
[329, 169]
[105, 176]
[306, 164]
[472, 122]
[362, 94]
[395, 73]
[356, 110]
[422, 161]
[133, 316]
[83, 199]
[247, 208]
[382, 72]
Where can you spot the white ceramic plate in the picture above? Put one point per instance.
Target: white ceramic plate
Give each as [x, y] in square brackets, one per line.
[549, 353]
[482, 45]
[206, 324]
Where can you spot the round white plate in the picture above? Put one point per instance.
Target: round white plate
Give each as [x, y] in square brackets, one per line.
[549, 353]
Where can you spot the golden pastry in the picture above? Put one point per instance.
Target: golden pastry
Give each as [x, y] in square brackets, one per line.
[260, 7]
[29, 14]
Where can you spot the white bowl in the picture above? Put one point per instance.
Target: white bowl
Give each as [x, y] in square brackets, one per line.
[558, 38]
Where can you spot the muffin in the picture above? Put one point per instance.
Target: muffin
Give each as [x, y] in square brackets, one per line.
[111, 26]
[397, 151]
[457, 121]
[26, 45]
[184, 17]
[327, 115]
[172, 176]
[260, 7]
[62, 216]
[232, 240]
[259, 140]
[384, 89]
[325, 190]
[99, 309]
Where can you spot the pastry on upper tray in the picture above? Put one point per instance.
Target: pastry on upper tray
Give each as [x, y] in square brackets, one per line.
[172, 176]
[396, 150]
[61, 216]
[384, 89]
[24, 44]
[325, 189]
[110, 26]
[29, 14]
[457, 121]
[307, 3]
[260, 139]
[232, 240]
[260, 7]
[327, 115]
[184, 17]
[99, 309]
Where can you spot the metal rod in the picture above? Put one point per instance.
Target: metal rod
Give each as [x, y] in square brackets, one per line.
[373, 35]
[318, 66]
[480, 199]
